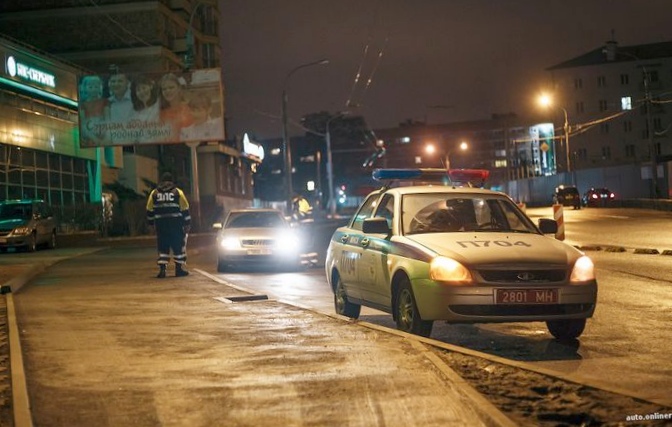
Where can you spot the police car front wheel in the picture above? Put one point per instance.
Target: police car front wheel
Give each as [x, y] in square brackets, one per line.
[566, 329]
[407, 314]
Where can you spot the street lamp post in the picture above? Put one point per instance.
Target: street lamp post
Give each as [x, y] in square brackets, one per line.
[463, 147]
[285, 138]
[330, 166]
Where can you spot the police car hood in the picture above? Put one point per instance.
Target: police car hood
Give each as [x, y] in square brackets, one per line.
[494, 248]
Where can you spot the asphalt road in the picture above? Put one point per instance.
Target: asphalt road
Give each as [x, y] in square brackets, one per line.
[625, 345]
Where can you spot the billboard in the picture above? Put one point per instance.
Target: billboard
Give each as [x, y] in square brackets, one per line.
[150, 108]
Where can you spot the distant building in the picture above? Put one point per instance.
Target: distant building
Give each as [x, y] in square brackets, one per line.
[618, 101]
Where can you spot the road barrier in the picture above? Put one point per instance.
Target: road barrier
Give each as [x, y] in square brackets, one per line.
[558, 216]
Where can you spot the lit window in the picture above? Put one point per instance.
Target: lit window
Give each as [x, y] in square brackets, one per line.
[626, 103]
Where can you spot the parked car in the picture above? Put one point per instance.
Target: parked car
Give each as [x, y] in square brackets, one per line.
[260, 237]
[567, 195]
[27, 224]
[598, 197]
[458, 254]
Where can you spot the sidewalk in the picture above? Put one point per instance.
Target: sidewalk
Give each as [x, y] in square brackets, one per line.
[106, 343]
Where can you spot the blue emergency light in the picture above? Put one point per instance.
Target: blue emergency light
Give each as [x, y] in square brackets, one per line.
[456, 177]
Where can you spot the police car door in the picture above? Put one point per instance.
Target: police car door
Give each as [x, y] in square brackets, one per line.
[374, 274]
[350, 245]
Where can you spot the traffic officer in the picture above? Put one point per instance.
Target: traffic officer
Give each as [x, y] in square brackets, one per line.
[168, 212]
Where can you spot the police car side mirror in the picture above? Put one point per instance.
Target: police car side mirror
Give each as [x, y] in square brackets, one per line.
[548, 226]
[376, 226]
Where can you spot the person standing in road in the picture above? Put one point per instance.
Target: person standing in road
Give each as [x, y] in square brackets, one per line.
[168, 212]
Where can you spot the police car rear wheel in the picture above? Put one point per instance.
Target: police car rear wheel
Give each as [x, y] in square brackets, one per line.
[341, 303]
[566, 329]
[408, 316]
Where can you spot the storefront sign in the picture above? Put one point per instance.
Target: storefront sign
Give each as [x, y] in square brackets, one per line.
[250, 149]
[26, 72]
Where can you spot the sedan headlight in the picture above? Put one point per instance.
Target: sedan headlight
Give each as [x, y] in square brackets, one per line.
[443, 269]
[22, 231]
[583, 271]
[229, 243]
[288, 239]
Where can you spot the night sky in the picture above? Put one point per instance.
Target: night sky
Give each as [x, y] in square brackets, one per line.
[427, 60]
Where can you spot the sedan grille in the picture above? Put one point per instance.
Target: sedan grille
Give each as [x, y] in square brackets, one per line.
[257, 243]
[523, 276]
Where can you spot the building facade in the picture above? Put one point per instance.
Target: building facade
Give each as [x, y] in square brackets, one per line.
[120, 36]
[39, 152]
[618, 104]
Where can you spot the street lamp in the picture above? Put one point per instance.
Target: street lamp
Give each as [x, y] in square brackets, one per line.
[330, 166]
[285, 138]
[463, 147]
[546, 101]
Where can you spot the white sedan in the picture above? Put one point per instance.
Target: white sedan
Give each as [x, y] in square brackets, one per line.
[459, 254]
[260, 237]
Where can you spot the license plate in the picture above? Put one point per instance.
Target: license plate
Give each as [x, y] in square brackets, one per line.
[258, 251]
[526, 296]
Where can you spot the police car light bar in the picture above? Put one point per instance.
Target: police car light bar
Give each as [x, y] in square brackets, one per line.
[456, 177]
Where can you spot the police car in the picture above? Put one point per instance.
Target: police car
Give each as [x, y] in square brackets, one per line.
[440, 248]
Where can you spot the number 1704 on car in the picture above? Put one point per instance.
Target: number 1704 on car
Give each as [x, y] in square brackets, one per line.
[526, 296]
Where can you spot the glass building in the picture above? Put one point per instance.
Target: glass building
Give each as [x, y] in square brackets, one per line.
[40, 156]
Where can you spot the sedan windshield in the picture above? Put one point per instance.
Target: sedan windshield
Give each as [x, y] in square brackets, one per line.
[255, 220]
[441, 213]
[15, 211]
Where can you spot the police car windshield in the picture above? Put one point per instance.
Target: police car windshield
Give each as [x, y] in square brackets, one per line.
[445, 213]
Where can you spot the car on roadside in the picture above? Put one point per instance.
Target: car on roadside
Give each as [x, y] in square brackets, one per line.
[429, 252]
[598, 197]
[260, 238]
[27, 224]
[567, 195]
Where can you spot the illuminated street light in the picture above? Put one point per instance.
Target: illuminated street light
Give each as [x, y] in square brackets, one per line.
[546, 102]
[285, 139]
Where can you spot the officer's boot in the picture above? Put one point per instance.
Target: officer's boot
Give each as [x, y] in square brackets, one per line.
[180, 270]
[162, 271]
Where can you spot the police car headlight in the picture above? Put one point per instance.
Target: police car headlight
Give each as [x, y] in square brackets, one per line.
[443, 269]
[22, 231]
[583, 271]
[229, 243]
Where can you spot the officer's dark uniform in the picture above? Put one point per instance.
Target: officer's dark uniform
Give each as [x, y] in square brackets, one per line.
[168, 211]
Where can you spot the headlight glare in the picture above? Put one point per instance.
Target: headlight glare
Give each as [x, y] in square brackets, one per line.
[583, 271]
[229, 243]
[445, 269]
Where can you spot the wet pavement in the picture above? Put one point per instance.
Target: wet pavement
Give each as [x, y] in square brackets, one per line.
[105, 343]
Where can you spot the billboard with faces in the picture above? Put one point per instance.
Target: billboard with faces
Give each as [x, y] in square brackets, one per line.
[150, 108]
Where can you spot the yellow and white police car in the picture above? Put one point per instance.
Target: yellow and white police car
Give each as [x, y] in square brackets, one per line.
[441, 250]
